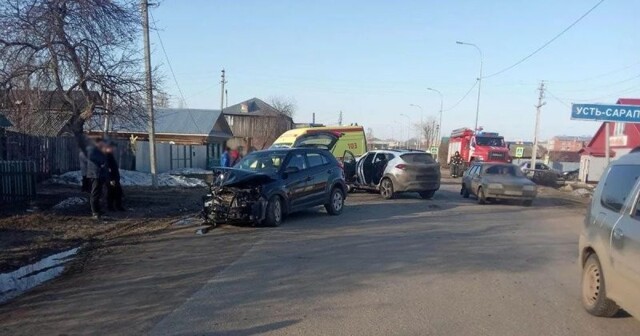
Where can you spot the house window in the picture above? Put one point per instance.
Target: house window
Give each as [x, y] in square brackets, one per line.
[618, 129]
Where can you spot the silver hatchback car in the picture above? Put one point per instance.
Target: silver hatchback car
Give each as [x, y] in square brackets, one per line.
[610, 241]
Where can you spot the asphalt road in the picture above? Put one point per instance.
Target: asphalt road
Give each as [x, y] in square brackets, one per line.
[408, 266]
[404, 267]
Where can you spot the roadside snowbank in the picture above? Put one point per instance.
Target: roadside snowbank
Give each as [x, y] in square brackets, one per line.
[70, 202]
[190, 171]
[134, 178]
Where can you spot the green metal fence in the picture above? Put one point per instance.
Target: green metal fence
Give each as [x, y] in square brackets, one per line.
[17, 181]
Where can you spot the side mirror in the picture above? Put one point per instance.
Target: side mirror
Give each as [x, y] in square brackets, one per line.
[291, 170]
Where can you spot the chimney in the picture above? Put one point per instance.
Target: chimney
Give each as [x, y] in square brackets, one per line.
[244, 108]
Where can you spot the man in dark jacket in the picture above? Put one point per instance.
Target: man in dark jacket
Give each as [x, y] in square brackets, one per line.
[97, 174]
[456, 165]
[114, 189]
[86, 184]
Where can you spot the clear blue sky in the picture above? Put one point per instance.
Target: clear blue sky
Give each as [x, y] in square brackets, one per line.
[372, 59]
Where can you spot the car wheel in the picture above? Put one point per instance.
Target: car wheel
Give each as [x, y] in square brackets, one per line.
[427, 194]
[527, 203]
[274, 212]
[482, 199]
[594, 293]
[465, 192]
[336, 202]
[386, 188]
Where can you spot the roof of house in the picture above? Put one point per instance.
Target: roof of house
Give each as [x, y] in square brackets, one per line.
[252, 107]
[171, 121]
[42, 123]
[628, 101]
[4, 122]
[571, 138]
[43, 99]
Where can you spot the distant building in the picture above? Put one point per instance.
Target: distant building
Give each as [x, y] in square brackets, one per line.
[623, 137]
[255, 124]
[567, 143]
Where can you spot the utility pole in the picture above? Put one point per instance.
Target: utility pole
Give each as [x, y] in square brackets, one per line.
[226, 98]
[313, 120]
[534, 151]
[147, 64]
[222, 83]
[340, 119]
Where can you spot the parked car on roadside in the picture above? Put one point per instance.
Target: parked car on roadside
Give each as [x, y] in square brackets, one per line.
[571, 175]
[394, 171]
[267, 185]
[609, 245]
[497, 181]
[526, 166]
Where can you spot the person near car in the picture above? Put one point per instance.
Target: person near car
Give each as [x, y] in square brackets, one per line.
[114, 188]
[456, 164]
[97, 174]
[234, 157]
[225, 159]
[86, 184]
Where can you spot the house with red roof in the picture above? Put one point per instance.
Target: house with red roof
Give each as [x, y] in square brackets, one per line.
[623, 137]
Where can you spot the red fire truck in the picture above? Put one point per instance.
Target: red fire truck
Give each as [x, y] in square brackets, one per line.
[481, 146]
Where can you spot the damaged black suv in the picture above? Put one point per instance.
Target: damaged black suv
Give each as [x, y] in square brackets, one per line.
[267, 185]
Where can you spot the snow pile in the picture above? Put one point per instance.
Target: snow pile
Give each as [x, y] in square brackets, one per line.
[582, 192]
[134, 178]
[190, 171]
[70, 202]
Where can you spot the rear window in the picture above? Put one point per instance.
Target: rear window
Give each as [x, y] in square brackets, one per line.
[418, 158]
[503, 170]
[617, 186]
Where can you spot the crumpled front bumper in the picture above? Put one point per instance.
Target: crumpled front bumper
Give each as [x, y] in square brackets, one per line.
[233, 206]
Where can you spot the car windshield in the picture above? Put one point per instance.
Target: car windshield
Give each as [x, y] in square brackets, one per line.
[282, 145]
[490, 141]
[264, 162]
[508, 170]
[418, 158]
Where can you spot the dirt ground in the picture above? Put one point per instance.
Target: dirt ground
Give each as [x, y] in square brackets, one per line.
[27, 235]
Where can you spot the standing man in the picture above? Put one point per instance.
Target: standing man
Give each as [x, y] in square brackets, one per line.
[86, 184]
[225, 159]
[234, 157]
[114, 189]
[96, 174]
[456, 164]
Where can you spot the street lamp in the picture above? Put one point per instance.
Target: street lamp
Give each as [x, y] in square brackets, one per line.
[479, 79]
[421, 122]
[406, 143]
[440, 122]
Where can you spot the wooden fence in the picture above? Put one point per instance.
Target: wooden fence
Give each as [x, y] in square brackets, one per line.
[17, 181]
[50, 155]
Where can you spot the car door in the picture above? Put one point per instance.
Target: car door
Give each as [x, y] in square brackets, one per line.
[320, 171]
[349, 165]
[296, 178]
[467, 176]
[365, 168]
[625, 243]
[318, 139]
[476, 181]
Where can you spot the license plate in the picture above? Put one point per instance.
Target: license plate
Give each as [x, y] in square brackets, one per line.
[513, 193]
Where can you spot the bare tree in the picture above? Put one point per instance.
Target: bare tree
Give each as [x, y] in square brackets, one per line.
[286, 106]
[75, 48]
[429, 132]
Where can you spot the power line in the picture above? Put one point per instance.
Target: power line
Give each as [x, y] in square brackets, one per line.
[463, 97]
[604, 74]
[558, 99]
[166, 56]
[547, 43]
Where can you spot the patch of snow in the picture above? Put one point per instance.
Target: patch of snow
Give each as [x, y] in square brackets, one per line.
[70, 202]
[190, 171]
[134, 178]
[581, 192]
[23, 279]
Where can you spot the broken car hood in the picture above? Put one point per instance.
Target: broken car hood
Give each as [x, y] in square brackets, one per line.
[229, 177]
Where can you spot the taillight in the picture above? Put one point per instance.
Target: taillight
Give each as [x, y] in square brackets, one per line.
[401, 166]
